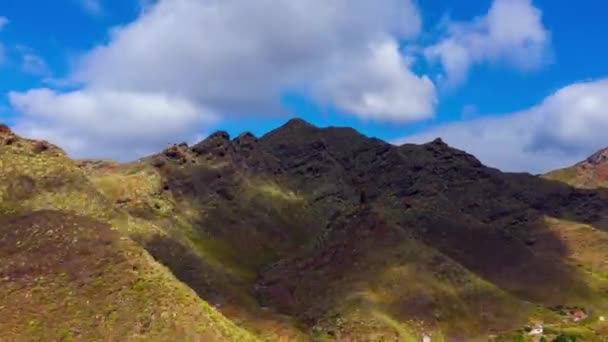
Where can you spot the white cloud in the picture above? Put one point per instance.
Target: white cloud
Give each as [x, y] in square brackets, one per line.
[238, 57]
[3, 22]
[565, 128]
[100, 123]
[379, 85]
[512, 32]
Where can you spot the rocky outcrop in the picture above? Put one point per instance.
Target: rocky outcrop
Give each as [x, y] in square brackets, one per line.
[217, 145]
[598, 158]
[5, 130]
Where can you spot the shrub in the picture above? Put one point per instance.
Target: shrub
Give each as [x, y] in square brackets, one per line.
[565, 338]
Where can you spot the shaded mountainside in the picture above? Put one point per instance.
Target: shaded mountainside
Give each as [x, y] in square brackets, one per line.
[324, 234]
[589, 174]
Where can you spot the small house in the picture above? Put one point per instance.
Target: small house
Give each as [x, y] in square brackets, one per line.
[578, 315]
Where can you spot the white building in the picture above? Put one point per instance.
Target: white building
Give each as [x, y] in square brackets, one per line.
[537, 330]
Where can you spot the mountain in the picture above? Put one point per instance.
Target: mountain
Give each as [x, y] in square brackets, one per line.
[320, 234]
[67, 272]
[589, 174]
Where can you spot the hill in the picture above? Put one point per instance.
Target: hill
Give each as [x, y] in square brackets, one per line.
[589, 174]
[314, 233]
[67, 274]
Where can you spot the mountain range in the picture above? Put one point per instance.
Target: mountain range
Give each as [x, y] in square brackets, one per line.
[303, 234]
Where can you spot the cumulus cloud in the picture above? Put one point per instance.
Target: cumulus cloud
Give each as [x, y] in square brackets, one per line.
[374, 86]
[565, 128]
[102, 123]
[238, 57]
[511, 32]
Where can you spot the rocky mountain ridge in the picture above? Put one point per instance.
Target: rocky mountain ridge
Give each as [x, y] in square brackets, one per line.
[311, 233]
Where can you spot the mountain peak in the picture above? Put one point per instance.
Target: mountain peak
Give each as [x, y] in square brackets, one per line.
[219, 135]
[298, 123]
[246, 139]
[591, 173]
[438, 142]
[5, 130]
[598, 158]
[217, 143]
[293, 129]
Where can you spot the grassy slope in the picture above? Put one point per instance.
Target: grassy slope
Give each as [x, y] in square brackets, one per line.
[69, 277]
[139, 298]
[586, 175]
[588, 244]
[580, 178]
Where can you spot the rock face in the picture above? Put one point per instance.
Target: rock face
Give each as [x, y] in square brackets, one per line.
[217, 144]
[7, 137]
[5, 130]
[246, 141]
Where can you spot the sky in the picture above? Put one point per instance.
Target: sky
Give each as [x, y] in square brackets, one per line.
[521, 84]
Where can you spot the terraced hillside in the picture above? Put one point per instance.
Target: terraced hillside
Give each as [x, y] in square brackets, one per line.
[324, 234]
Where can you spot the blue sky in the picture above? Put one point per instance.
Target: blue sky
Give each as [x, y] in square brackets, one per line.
[120, 79]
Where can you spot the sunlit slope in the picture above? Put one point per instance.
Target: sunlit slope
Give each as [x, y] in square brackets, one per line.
[69, 269]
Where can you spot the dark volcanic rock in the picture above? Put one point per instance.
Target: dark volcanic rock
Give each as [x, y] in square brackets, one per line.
[217, 144]
[40, 146]
[246, 141]
[157, 162]
[7, 137]
[5, 130]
